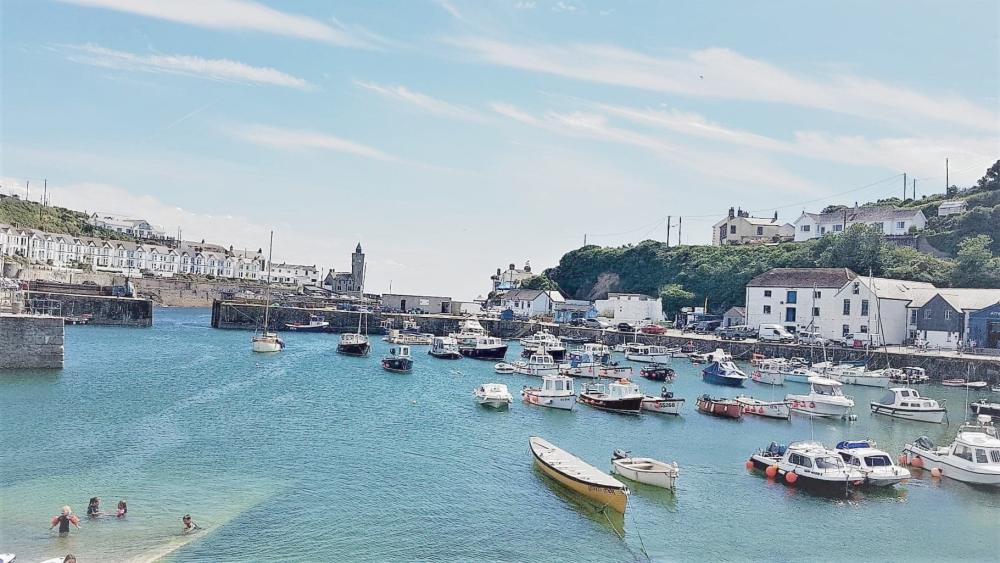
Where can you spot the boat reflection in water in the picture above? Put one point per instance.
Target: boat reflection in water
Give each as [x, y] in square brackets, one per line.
[610, 519]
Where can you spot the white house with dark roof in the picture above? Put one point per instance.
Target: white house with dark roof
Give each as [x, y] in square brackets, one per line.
[631, 307]
[740, 228]
[530, 302]
[892, 221]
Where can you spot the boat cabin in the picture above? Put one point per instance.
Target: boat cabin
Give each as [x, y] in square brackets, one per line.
[557, 385]
[541, 360]
[824, 386]
[622, 389]
[813, 457]
[906, 398]
[863, 455]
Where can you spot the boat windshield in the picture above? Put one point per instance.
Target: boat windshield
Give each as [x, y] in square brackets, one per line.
[826, 389]
[878, 461]
[829, 463]
[889, 398]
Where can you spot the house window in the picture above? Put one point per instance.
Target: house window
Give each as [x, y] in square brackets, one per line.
[838, 228]
[815, 311]
[857, 288]
[901, 225]
[804, 228]
[880, 225]
[791, 297]
[864, 307]
[913, 317]
[732, 229]
[790, 315]
[767, 293]
[760, 231]
[864, 329]
[947, 315]
[822, 230]
[817, 294]
[927, 314]
[847, 306]
[767, 309]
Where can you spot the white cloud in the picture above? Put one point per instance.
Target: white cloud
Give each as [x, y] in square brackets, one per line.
[522, 5]
[291, 139]
[605, 13]
[212, 69]
[424, 102]
[563, 7]
[450, 9]
[730, 75]
[233, 15]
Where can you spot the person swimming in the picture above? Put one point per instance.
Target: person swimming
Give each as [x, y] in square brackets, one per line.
[122, 508]
[189, 526]
[64, 519]
[94, 508]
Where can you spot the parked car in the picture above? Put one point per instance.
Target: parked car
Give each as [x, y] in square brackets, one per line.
[596, 323]
[736, 332]
[576, 322]
[706, 327]
[625, 327]
[812, 338]
[653, 329]
[774, 333]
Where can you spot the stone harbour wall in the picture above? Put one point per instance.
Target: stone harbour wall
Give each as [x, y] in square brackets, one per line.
[109, 311]
[31, 342]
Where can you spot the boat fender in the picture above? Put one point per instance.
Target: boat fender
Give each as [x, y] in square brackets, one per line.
[791, 477]
[936, 472]
[771, 471]
[901, 460]
[749, 464]
[812, 405]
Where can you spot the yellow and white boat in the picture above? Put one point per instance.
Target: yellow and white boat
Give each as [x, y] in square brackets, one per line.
[576, 475]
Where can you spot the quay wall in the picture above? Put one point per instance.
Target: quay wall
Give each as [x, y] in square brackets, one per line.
[108, 311]
[31, 342]
[248, 316]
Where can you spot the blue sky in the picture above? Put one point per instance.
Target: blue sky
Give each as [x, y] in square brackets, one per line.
[452, 138]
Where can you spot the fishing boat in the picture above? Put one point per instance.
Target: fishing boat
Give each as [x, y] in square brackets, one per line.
[726, 408]
[906, 403]
[876, 465]
[538, 364]
[583, 364]
[766, 409]
[576, 475]
[503, 368]
[908, 376]
[959, 382]
[647, 354]
[395, 336]
[543, 341]
[482, 347]
[445, 347]
[356, 343]
[556, 392]
[808, 465]
[657, 372]
[825, 399]
[973, 457]
[769, 371]
[723, 373]
[317, 323]
[494, 395]
[684, 351]
[983, 406]
[719, 355]
[621, 396]
[666, 403]
[851, 374]
[267, 341]
[600, 352]
[645, 470]
[398, 362]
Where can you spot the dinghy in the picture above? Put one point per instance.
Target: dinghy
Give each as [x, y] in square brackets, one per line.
[576, 475]
[645, 470]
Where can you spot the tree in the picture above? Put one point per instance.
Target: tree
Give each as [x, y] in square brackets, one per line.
[991, 180]
[861, 248]
[673, 297]
[976, 266]
[832, 208]
[539, 282]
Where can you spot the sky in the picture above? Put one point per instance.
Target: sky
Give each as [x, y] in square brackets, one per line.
[453, 138]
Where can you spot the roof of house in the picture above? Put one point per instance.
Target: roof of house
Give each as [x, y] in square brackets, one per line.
[964, 299]
[902, 290]
[741, 311]
[953, 204]
[804, 277]
[526, 294]
[864, 214]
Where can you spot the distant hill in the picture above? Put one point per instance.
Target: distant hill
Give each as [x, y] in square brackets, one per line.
[31, 215]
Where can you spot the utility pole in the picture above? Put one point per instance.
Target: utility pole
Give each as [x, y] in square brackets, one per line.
[584, 239]
[946, 176]
[914, 189]
[904, 186]
[668, 231]
[679, 239]
[27, 184]
[45, 194]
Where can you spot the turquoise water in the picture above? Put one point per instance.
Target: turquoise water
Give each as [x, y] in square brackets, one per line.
[314, 456]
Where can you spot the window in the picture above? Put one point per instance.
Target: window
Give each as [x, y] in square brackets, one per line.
[732, 229]
[838, 228]
[947, 315]
[927, 314]
[864, 329]
[864, 307]
[901, 225]
[767, 309]
[995, 456]
[981, 456]
[880, 225]
[847, 306]
[822, 230]
[760, 231]
[815, 311]
[857, 288]
[767, 293]
[913, 317]
[817, 294]
[790, 315]
[792, 297]
[845, 330]
[804, 228]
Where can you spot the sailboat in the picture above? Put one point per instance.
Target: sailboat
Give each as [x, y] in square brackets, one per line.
[267, 341]
[355, 343]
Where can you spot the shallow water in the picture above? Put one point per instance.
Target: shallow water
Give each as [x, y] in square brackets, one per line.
[318, 457]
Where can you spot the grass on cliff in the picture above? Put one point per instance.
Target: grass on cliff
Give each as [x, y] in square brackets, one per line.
[31, 215]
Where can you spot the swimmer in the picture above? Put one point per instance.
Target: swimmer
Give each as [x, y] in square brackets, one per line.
[122, 508]
[94, 508]
[64, 520]
[189, 526]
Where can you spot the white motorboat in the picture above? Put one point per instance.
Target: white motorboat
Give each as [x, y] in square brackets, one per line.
[982, 406]
[906, 403]
[852, 374]
[908, 375]
[800, 374]
[808, 465]
[666, 403]
[556, 392]
[544, 341]
[825, 399]
[770, 372]
[963, 383]
[503, 368]
[408, 338]
[877, 465]
[600, 352]
[974, 456]
[766, 409]
[445, 347]
[645, 470]
[538, 364]
[493, 395]
[267, 342]
[719, 355]
[647, 354]
[576, 475]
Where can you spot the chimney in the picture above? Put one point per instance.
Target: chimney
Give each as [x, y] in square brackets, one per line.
[732, 213]
[775, 216]
[512, 267]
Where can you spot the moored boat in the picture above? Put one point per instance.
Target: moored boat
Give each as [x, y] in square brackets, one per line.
[973, 457]
[503, 368]
[983, 406]
[666, 403]
[718, 355]
[621, 396]
[538, 364]
[724, 373]
[647, 354]
[494, 395]
[445, 347]
[906, 403]
[876, 465]
[726, 408]
[556, 392]
[584, 364]
[408, 338]
[645, 470]
[825, 399]
[959, 382]
[769, 371]
[908, 376]
[766, 409]
[481, 347]
[576, 475]
[657, 372]
[543, 341]
[267, 342]
[808, 465]
[353, 344]
[317, 323]
[400, 362]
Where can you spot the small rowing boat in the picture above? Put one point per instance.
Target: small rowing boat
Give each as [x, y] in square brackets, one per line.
[576, 475]
[645, 470]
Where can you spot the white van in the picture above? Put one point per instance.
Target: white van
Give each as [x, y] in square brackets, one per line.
[774, 333]
[864, 340]
[811, 338]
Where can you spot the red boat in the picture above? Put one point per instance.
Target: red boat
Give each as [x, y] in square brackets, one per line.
[726, 408]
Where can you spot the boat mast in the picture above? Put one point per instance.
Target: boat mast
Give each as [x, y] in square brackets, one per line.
[267, 286]
[361, 313]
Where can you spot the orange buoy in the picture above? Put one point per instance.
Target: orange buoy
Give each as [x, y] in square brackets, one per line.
[917, 462]
[791, 477]
[902, 459]
[771, 471]
[749, 464]
[936, 472]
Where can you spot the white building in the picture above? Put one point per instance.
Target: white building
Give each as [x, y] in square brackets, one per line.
[952, 208]
[530, 302]
[631, 307]
[511, 278]
[295, 274]
[139, 228]
[740, 228]
[892, 221]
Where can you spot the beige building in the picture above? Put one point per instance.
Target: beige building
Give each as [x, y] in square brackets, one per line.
[740, 228]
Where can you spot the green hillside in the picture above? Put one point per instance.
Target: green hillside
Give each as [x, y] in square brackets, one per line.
[30, 215]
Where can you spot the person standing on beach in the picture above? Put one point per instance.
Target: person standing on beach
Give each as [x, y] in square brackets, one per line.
[64, 520]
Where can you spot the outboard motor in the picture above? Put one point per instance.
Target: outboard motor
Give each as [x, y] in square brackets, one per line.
[619, 454]
[924, 443]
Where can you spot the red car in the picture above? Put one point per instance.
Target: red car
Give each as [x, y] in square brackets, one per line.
[653, 329]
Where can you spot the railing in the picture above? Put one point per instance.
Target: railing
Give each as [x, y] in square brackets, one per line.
[49, 307]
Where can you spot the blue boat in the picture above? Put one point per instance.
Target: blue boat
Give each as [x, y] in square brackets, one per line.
[724, 373]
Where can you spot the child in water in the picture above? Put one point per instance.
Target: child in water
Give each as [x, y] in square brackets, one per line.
[122, 508]
[189, 526]
[64, 520]
[94, 508]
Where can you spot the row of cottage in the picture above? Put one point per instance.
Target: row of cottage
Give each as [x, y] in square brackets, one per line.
[837, 302]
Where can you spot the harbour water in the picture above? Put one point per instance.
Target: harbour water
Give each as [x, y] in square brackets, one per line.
[314, 456]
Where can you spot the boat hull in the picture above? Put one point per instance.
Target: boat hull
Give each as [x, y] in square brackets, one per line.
[445, 355]
[660, 405]
[646, 471]
[724, 380]
[728, 409]
[484, 353]
[803, 405]
[991, 409]
[361, 349]
[493, 402]
[615, 498]
[804, 480]
[863, 380]
[397, 365]
[932, 460]
[648, 358]
[934, 416]
[595, 371]
[309, 328]
[534, 397]
[768, 378]
[267, 344]
[766, 409]
[628, 405]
